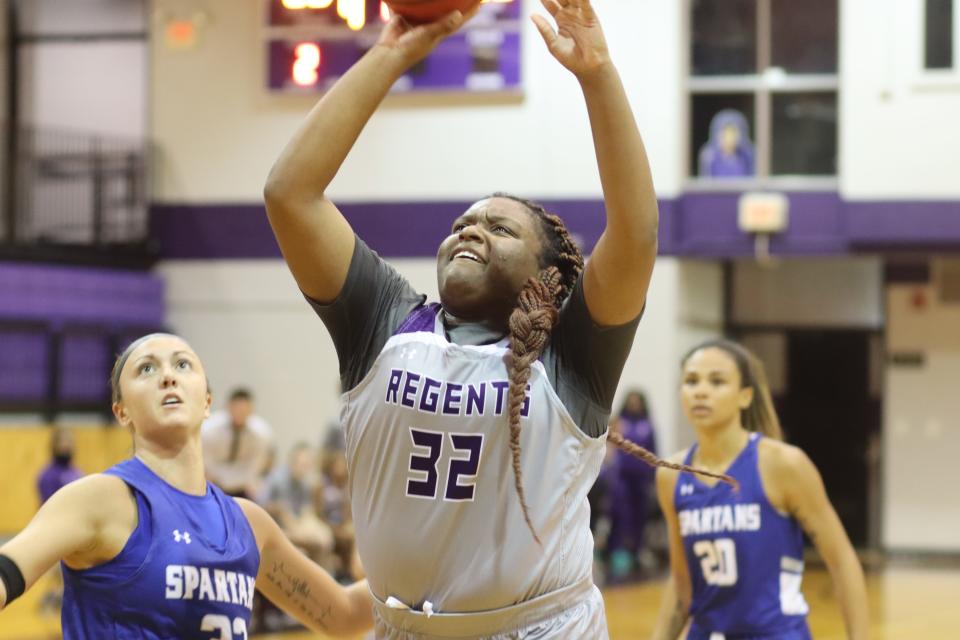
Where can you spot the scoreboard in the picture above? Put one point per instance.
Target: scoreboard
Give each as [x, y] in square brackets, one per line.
[311, 43]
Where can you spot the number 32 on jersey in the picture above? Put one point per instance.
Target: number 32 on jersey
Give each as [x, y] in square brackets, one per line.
[460, 471]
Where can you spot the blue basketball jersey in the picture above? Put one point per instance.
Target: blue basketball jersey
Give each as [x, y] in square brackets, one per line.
[745, 557]
[187, 571]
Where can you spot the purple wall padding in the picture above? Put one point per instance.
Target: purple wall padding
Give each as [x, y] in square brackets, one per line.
[59, 294]
[392, 229]
[87, 308]
[85, 368]
[696, 224]
[25, 358]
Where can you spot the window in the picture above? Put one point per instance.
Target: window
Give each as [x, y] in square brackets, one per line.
[763, 89]
[940, 27]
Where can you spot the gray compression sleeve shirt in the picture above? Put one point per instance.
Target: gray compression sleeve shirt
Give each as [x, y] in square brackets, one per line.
[583, 360]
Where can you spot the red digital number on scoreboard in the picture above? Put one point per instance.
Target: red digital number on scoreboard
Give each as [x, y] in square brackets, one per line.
[306, 64]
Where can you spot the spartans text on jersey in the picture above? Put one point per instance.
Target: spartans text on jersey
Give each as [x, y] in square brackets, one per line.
[186, 582]
[719, 519]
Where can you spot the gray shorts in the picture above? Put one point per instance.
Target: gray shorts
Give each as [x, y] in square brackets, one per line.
[572, 612]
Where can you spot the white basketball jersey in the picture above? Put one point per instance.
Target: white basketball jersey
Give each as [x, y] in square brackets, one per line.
[431, 481]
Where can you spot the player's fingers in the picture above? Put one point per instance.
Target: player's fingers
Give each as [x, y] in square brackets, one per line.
[397, 23]
[552, 6]
[549, 35]
[585, 8]
[472, 11]
[445, 25]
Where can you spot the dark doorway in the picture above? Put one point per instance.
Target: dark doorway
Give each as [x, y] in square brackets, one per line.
[830, 407]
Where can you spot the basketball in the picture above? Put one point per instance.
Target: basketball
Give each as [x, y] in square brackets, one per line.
[421, 11]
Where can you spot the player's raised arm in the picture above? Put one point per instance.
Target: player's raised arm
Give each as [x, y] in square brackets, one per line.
[315, 239]
[618, 273]
[82, 523]
[300, 587]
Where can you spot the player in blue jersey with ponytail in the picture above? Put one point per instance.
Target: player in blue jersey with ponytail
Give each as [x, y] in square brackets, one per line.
[736, 556]
[149, 548]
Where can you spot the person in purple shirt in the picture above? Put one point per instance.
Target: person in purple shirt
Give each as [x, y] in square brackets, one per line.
[61, 471]
[728, 153]
[630, 485]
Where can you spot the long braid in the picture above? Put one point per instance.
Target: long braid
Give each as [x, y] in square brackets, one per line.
[532, 321]
[530, 326]
[651, 459]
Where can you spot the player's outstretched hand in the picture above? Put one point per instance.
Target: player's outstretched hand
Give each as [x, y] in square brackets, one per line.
[578, 42]
[412, 43]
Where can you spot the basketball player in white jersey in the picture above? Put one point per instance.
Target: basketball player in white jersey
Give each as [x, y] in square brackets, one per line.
[476, 426]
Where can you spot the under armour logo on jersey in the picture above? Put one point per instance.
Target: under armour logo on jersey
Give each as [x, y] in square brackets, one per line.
[686, 489]
[184, 537]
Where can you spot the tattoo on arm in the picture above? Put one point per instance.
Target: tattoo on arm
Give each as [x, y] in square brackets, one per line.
[300, 594]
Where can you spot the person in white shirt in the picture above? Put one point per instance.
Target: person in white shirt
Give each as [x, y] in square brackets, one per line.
[237, 446]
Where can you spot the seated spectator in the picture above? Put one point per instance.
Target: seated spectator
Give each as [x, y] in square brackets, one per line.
[236, 446]
[293, 495]
[336, 513]
[60, 471]
[334, 440]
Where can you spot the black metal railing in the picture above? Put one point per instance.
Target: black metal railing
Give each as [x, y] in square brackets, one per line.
[75, 194]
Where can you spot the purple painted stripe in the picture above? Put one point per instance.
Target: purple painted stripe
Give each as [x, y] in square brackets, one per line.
[391, 229]
[212, 231]
[695, 224]
[705, 224]
[904, 224]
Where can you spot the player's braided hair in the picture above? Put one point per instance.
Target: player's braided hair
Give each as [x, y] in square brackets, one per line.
[532, 321]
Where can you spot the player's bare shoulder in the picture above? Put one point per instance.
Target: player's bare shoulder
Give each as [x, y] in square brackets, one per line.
[782, 467]
[102, 496]
[780, 457]
[102, 513]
